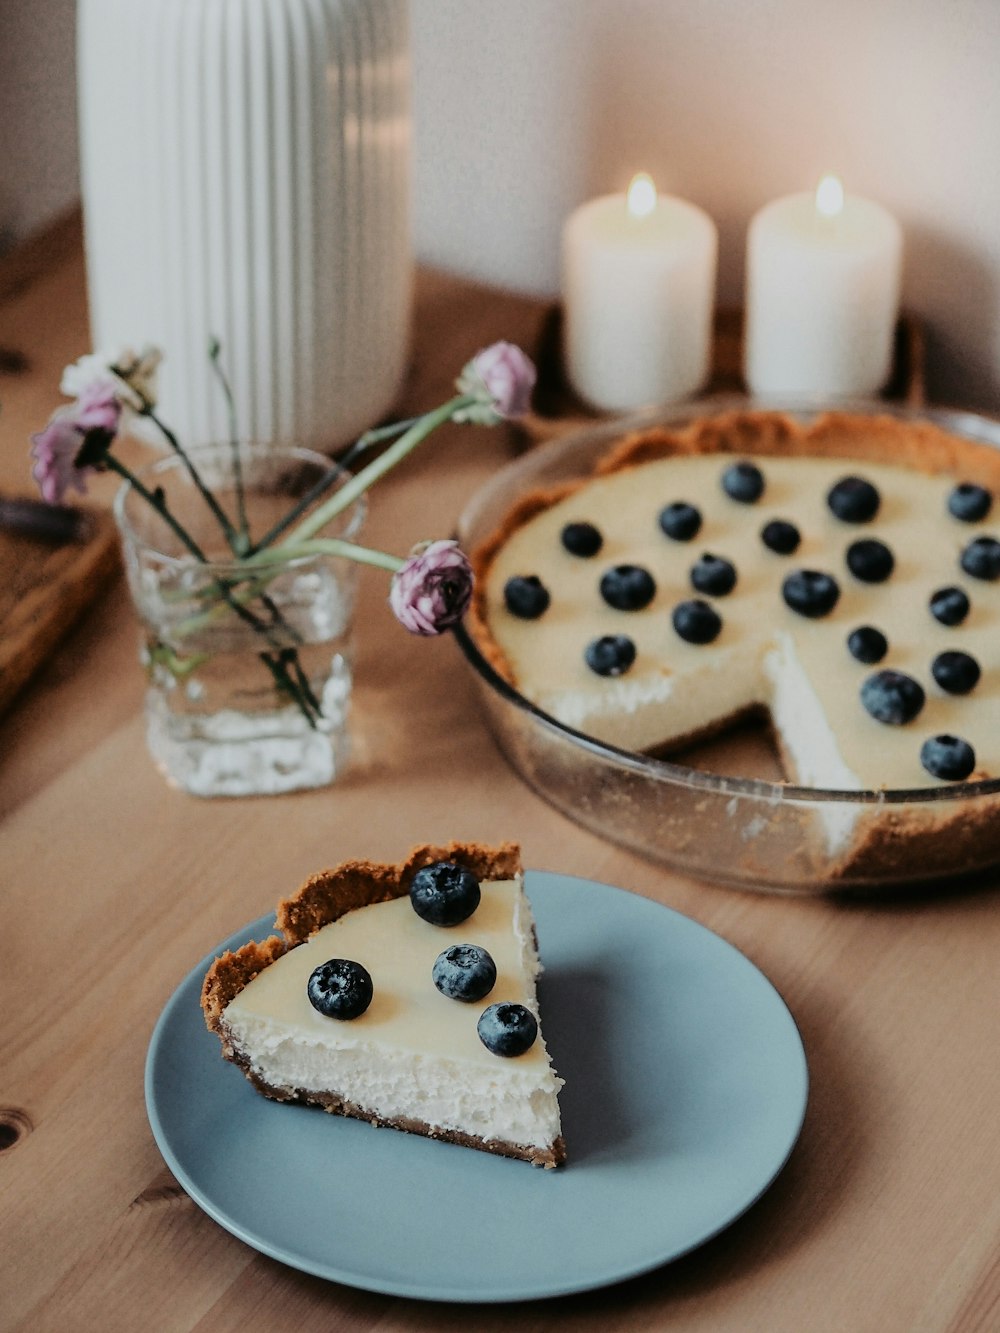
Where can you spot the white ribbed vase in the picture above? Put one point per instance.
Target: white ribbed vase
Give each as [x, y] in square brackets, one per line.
[245, 175]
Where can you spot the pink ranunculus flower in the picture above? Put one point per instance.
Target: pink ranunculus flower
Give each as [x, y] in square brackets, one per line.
[432, 590]
[502, 378]
[55, 450]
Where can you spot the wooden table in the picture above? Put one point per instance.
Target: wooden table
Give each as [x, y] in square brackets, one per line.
[887, 1216]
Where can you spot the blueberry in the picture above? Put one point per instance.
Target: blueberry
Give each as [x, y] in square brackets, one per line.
[611, 655]
[969, 503]
[444, 893]
[680, 521]
[340, 988]
[956, 673]
[870, 561]
[781, 537]
[628, 587]
[526, 596]
[810, 593]
[853, 500]
[949, 605]
[744, 482]
[582, 539]
[948, 757]
[507, 1029]
[867, 644]
[464, 972]
[981, 558]
[713, 575]
[695, 621]
[892, 697]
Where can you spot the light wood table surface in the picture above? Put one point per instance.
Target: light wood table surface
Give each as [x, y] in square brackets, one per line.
[887, 1216]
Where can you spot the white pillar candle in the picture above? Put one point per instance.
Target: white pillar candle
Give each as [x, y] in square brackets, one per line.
[823, 275]
[638, 287]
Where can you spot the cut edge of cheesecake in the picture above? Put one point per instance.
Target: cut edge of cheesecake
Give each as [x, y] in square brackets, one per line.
[322, 899]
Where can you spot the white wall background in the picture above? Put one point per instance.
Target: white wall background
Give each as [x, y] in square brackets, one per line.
[525, 107]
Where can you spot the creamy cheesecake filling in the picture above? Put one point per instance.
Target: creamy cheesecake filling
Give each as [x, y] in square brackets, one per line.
[797, 714]
[810, 747]
[798, 668]
[414, 1054]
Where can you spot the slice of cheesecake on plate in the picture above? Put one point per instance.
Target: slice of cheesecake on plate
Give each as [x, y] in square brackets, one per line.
[403, 995]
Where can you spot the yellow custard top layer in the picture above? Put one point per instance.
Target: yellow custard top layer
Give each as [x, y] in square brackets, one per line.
[398, 949]
[675, 687]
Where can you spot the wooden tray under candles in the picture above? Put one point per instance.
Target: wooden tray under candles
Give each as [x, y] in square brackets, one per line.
[556, 408]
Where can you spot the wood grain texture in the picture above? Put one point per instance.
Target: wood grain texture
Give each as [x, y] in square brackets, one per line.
[43, 592]
[886, 1218]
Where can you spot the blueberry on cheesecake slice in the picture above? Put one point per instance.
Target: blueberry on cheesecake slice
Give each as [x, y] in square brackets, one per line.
[368, 1006]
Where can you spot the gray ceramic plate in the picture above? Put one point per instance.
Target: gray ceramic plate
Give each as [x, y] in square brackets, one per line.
[686, 1085]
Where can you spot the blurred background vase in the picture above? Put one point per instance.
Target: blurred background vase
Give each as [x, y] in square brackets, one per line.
[245, 174]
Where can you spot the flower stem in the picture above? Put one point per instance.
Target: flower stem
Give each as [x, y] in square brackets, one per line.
[337, 470]
[215, 347]
[328, 546]
[228, 601]
[263, 561]
[158, 503]
[229, 532]
[377, 468]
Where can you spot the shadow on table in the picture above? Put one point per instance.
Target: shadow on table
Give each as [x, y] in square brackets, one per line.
[595, 1117]
[834, 1141]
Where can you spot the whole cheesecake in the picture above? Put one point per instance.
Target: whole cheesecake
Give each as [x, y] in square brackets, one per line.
[404, 995]
[841, 576]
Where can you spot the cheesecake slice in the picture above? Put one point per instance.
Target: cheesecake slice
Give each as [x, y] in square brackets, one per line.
[414, 1057]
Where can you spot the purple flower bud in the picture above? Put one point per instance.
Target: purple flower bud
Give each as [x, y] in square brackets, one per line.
[54, 450]
[502, 378]
[432, 590]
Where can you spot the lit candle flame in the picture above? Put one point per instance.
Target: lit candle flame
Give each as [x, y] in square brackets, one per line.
[641, 198]
[829, 197]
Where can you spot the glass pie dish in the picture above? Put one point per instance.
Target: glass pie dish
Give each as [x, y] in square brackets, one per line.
[726, 815]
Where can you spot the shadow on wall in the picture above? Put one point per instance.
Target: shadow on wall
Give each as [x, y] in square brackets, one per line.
[958, 290]
[8, 232]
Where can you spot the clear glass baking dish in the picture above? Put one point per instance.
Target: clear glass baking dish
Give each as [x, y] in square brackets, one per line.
[750, 832]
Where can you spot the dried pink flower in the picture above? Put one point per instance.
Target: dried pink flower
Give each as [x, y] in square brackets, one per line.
[91, 421]
[98, 407]
[502, 378]
[432, 590]
[54, 450]
[133, 373]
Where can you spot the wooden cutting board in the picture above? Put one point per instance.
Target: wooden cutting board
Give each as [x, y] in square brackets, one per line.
[44, 589]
